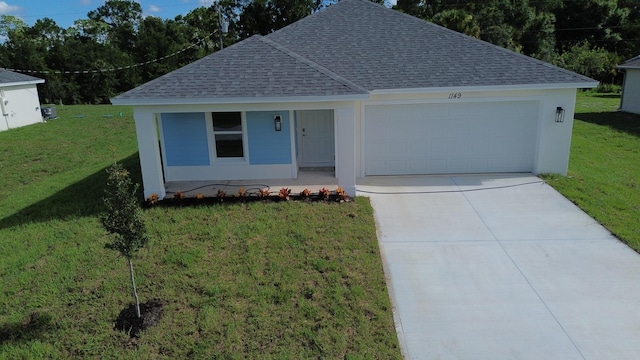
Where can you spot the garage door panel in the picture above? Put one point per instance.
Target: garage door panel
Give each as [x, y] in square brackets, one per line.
[418, 128]
[437, 147]
[457, 165]
[378, 152]
[450, 138]
[377, 166]
[437, 166]
[498, 164]
[456, 128]
[375, 127]
[418, 149]
[479, 164]
[396, 132]
[479, 148]
[397, 166]
[398, 150]
[418, 166]
[457, 147]
[439, 128]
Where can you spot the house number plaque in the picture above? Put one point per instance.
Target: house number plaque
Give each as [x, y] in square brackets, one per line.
[455, 95]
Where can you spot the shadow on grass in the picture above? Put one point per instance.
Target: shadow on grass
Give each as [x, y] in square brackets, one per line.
[30, 329]
[81, 199]
[622, 121]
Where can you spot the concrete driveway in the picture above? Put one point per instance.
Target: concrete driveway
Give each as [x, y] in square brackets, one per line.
[502, 267]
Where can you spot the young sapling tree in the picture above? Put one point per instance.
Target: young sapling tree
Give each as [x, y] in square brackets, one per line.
[123, 219]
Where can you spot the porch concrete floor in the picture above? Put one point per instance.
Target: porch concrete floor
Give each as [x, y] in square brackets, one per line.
[313, 180]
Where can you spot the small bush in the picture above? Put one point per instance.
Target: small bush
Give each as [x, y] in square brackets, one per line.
[178, 195]
[306, 193]
[284, 193]
[605, 88]
[324, 193]
[263, 193]
[221, 194]
[153, 199]
[342, 195]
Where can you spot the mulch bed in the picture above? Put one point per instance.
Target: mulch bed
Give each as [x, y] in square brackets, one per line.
[193, 201]
[150, 315]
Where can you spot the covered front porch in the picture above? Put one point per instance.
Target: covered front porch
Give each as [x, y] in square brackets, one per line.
[206, 148]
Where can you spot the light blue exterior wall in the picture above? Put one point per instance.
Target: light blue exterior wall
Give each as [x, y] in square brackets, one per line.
[267, 146]
[185, 139]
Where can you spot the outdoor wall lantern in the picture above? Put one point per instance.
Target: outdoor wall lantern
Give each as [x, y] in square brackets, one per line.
[277, 122]
[559, 114]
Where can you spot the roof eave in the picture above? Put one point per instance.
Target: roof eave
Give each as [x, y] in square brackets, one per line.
[237, 100]
[18, 83]
[625, 67]
[576, 85]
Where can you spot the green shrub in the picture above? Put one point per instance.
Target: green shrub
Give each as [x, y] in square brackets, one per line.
[594, 62]
[606, 88]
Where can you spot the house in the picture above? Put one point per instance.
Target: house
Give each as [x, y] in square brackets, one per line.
[630, 101]
[361, 88]
[19, 101]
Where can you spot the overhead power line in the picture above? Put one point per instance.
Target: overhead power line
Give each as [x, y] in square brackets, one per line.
[112, 69]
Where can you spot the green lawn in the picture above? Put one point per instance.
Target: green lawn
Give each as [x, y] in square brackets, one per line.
[260, 280]
[604, 166]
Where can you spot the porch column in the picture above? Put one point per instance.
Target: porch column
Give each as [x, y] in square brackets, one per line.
[149, 152]
[345, 128]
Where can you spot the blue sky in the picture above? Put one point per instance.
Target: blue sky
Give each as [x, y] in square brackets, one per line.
[65, 12]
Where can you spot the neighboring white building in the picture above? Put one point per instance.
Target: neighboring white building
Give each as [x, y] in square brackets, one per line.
[19, 101]
[630, 101]
[359, 87]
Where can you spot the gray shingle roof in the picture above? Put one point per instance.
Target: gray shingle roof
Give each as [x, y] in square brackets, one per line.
[8, 77]
[633, 63]
[253, 68]
[378, 48]
[351, 48]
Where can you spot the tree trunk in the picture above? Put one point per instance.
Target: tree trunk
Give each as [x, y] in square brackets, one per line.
[133, 286]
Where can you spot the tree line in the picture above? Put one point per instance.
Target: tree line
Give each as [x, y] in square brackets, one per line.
[115, 48]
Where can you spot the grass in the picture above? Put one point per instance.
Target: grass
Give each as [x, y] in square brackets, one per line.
[262, 280]
[63, 158]
[604, 165]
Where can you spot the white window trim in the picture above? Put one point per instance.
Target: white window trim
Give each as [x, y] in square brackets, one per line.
[212, 140]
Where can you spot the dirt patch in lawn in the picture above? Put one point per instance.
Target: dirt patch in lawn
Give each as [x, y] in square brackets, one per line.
[150, 315]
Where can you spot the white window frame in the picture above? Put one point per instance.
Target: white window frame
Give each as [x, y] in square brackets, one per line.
[212, 139]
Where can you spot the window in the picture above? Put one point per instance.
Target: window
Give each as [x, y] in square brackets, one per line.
[227, 129]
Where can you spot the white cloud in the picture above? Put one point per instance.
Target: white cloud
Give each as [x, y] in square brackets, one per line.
[154, 9]
[85, 2]
[206, 2]
[6, 9]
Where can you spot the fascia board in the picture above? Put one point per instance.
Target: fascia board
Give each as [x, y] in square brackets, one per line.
[18, 83]
[239, 100]
[581, 85]
[628, 67]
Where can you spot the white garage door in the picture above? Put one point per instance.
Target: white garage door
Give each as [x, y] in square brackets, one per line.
[450, 138]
